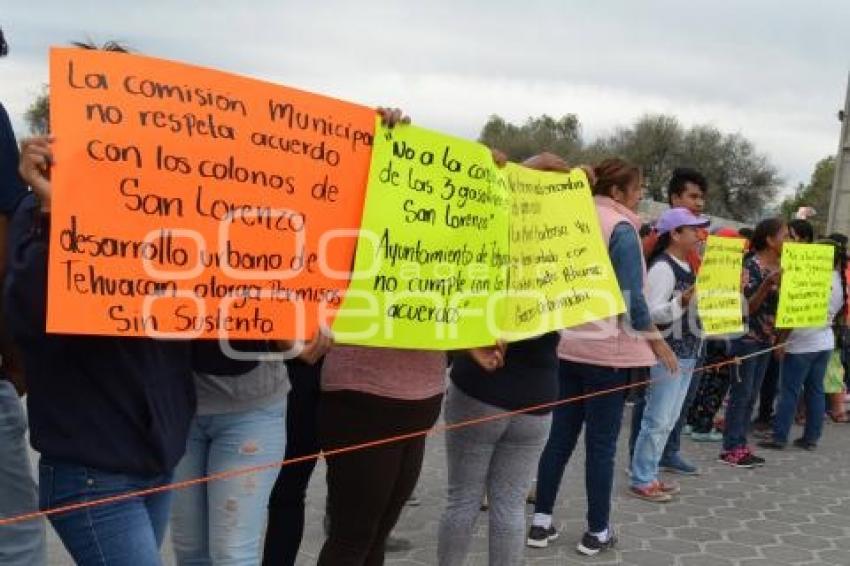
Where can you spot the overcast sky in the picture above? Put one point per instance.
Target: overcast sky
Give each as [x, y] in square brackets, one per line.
[773, 70]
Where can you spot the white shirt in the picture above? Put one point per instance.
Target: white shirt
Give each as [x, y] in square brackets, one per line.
[809, 340]
[665, 305]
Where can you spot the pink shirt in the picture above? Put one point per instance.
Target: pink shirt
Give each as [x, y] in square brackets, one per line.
[606, 342]
[409, 375]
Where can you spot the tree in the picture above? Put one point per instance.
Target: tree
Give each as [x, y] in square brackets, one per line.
[742, 182]
[653, 143]
[562, 136]
[37, 115]
[816, 194]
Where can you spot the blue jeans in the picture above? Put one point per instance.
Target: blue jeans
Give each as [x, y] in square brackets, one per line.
[664, 398]
[125, 533]
[674, 440]
[744, 388]
[806, 372]
[602, 415]
[221, 522]
[21, 544]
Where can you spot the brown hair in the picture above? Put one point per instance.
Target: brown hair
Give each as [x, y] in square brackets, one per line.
[614, 172]
[113, 46]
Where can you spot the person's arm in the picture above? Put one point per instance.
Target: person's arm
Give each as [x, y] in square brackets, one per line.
[308, 352]
[25, 288]
[665, 305]
[757, 290]
[25, 285]
[625, 250]
[490, 358]
[836, 299]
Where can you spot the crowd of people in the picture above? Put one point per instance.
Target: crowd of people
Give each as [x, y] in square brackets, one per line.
[113, 415]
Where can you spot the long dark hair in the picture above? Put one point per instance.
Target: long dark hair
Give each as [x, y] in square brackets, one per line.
[660, 247]
[803, 230]
[766, 229]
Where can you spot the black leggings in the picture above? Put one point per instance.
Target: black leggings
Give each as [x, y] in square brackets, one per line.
[286, 503]
[368, 488]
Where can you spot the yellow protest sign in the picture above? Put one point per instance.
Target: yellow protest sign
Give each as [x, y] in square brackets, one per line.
[560, 274]
[719, 301]
[433, 245]
[806, 285]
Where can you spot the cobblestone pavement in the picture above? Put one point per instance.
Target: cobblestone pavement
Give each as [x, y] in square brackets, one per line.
[795, 510]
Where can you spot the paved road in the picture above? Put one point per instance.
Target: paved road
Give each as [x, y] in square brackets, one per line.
[796, 510]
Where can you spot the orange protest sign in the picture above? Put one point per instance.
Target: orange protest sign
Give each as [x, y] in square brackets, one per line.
[188, 201]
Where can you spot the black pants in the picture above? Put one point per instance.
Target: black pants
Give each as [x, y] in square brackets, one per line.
[286, 503]
[712, 390]
[368, 488]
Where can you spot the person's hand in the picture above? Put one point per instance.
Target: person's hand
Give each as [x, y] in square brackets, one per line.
[664, 354]
[390, 117]
[779, 353]
[687, 296]
[499, 157]
[34, 167]
[546, 162]
[313, 350]
[773, 280]
[490, 358]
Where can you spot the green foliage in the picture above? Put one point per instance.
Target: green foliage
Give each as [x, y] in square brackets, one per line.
[816, 194]
[742, 182]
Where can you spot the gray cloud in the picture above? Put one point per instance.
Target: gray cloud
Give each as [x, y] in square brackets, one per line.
[773, 71]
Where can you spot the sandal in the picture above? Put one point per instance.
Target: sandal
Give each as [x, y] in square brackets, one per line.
[841, 418]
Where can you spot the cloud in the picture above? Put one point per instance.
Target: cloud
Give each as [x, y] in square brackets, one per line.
[773, 71]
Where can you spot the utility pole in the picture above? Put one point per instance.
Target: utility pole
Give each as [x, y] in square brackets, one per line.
[839, 204]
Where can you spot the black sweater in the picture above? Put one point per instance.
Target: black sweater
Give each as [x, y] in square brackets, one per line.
[528, 378]
[116, 404]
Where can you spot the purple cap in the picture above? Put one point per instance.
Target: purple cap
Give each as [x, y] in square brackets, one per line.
[677, 217]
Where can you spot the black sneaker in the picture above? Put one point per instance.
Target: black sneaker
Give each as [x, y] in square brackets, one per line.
[757, 461]
[805, 444]
[771, 444]
[737, 458]
[590, 545]
[539, 537]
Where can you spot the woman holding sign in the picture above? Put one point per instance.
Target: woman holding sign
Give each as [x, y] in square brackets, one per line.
[760, 284]
[596, 360]
[497, 458]
[804, 367]
[371, 394]
[670, 289]
[109, 415]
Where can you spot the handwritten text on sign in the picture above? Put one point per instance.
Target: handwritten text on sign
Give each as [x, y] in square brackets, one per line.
[432, 251]
[188, 200]
[806, 285]
[560, 274]
[719, 302]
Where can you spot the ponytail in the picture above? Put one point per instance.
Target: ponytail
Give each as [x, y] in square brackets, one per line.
[660, 247]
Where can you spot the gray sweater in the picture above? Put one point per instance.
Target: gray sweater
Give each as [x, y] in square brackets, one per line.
[263, 386]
